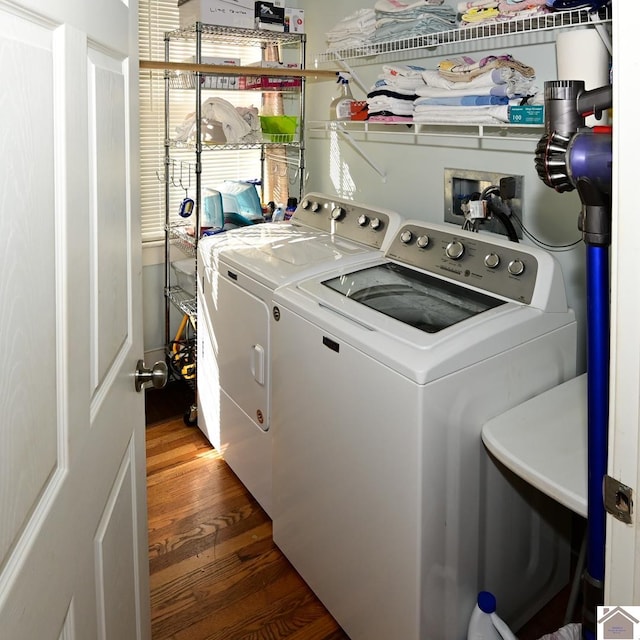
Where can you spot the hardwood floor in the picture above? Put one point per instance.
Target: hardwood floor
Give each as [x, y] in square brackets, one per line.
[215, 572]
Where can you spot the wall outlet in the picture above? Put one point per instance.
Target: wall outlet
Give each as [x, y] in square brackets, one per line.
[461, 184]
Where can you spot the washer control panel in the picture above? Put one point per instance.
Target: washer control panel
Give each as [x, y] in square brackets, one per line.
[346, 219]
[468, 258]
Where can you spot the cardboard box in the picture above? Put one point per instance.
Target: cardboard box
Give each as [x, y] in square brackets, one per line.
[269, 15]
[294, 20]
[219, 81]
[227, 13]
[264, 83]
[274, 64]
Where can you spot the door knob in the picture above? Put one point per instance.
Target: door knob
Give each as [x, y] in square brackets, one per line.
[157, 375]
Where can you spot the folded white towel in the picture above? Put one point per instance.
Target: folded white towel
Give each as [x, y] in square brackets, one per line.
[461, 115]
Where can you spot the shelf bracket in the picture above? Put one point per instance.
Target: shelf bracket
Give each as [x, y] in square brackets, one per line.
[349, 138]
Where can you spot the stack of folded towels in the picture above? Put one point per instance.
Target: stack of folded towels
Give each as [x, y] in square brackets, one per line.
[392, 97]
[396, 19]
[352, 32]
[465, 91]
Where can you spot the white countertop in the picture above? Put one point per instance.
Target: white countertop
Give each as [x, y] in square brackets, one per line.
[544, 441]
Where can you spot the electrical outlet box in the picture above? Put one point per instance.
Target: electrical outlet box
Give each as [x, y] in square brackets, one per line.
[461, 184]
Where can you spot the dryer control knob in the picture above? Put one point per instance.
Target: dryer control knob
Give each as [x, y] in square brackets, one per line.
[363, 220]
[423, 241]
[406, 236]
[455, 250]
[315, 206]
[376, 224]
[492, 260]
[305, 204]
[338, 213]
[516, 267]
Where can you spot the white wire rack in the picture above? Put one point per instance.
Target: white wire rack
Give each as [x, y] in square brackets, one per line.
[544, 22]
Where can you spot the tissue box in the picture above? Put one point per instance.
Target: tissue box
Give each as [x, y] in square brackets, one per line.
[227, 13]
[526, 114]
[294, 20]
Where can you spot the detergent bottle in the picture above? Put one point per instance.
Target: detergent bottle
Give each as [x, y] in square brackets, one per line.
[484, 623]
[340, 107]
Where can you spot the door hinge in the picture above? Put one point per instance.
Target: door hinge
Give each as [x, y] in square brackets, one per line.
[618, 499]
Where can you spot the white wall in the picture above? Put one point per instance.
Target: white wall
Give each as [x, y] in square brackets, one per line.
[414, 182]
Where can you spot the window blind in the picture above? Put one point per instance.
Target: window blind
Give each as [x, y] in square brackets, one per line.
[155, 18]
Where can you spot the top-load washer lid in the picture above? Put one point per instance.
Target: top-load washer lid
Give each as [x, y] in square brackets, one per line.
[441, 299]
[325, 231]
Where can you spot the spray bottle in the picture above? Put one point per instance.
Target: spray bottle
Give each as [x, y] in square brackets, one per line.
[485, 623]
[340, 107]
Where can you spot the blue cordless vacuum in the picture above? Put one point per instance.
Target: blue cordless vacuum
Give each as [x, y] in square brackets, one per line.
[572, 156]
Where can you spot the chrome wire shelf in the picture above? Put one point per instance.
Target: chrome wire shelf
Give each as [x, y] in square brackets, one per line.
[182, 237]
[235, 35]
[544, 22]
[275, 140]
[183, 300]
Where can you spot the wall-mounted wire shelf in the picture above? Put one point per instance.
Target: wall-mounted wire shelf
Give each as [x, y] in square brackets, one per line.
[518, 26]
[527, 132]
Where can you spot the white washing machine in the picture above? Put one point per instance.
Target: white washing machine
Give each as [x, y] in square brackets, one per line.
[238, 273]
[385, 500]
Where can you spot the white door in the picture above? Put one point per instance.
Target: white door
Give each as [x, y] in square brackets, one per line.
[73, 546]
[622, 571]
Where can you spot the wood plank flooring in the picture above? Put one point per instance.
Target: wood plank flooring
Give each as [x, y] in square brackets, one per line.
[215, 572]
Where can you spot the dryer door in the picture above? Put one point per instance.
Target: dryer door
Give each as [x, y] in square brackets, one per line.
[240, 327]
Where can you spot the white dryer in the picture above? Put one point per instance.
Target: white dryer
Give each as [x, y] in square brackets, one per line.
[385, 500]
[238, 273]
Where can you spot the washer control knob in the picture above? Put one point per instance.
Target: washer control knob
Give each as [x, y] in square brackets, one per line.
[406, 236]
[338, 213]
[376, 224]
[363, 220]
[492, 260]
[455, 250]
[516, 267]
[305, 204]
[315, 206]
[423, 241]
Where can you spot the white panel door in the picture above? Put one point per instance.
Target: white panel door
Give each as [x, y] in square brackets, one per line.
[622, 570]
[73, 544]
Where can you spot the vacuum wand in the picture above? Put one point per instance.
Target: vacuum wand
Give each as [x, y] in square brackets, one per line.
[572, 156]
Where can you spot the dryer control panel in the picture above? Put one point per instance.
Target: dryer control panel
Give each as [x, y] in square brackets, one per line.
[347, 219]
[505, 269]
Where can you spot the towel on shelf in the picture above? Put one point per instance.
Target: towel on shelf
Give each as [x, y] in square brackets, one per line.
[222, 122]
[497, 82]
[353, 31]
[462, 101]
[461, 115]
[465, 68]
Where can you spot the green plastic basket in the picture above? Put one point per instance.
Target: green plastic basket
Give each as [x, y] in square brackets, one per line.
[279, 128]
